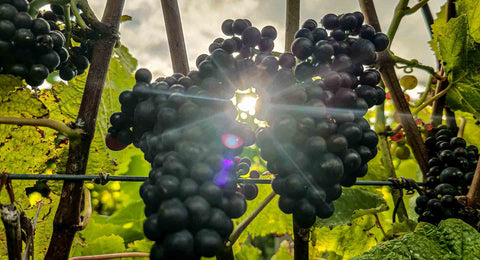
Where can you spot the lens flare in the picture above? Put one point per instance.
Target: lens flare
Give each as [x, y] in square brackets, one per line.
[232, 141]
[221, 178]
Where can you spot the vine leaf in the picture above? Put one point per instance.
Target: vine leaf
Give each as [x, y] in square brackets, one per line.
[352, 204]
[456, 44]
[451, 239]
[471, 9]
[345, 241]
[103, 245]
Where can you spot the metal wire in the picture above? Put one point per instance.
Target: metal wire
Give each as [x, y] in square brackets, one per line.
[98, 178]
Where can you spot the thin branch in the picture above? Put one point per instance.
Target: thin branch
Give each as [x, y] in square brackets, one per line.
[461, 128]
[32, 236]
[430, 100]
[397, 17]
[244, 224]
[415, 64]
[473, 196]
[379, 225]
[425, 93]
[415, 8]
[53, 124]
[111, 256]
[421, 107]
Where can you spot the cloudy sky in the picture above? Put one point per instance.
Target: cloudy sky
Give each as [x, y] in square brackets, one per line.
[146, 37]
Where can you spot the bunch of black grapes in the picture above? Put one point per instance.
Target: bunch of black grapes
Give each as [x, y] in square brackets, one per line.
[317, 140]
[191, 139]
[29, 47]
[451, 169]
[249, 190]
[80, 55]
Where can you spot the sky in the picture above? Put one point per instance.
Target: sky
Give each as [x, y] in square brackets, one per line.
[146, 37]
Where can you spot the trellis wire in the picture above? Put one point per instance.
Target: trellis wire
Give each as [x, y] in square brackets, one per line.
[98, 178]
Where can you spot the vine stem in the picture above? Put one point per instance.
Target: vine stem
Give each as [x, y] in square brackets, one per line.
[473, 195]
[111, 256]
[414, 63]
[32, 236]
[461, 128]
[35, 5]
[244, 224]
[53, 124]
[68, 25]
[416, 7]
[385, 65]
[421, 107]
[401, 10]
[380, 122]
[67, 218]
[78, 17]
[425, 94]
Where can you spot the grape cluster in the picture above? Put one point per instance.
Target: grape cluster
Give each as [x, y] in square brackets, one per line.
[30, 48]
[451, 169]
[191, 139]
[317, 140]
[79, 56]
[249, 190]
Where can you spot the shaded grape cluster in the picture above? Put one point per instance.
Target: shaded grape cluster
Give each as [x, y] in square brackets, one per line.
[192, 140]
[80, 54]
[30, 48]
[451, 169]
[249, 190]
[314, 101]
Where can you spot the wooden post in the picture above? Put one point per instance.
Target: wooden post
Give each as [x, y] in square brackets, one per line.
[385, 65]
[176, 42]
[301, 237]
[13, 231]
[67, 217]
[292, 22]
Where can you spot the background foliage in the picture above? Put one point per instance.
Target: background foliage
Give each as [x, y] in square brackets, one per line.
[363, 215]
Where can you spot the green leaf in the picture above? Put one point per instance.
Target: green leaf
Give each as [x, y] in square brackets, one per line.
[456, 44]
[345, 241]
[471, 8]
[283, 253]
[103, 245]
[143, 245]
[352, 204]
[452, 239]
[247, 252]
[130, 214]
[125, 18]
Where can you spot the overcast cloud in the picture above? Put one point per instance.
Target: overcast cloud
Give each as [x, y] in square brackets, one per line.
[146, 37]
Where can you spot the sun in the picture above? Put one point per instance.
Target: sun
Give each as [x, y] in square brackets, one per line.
[247, 104]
